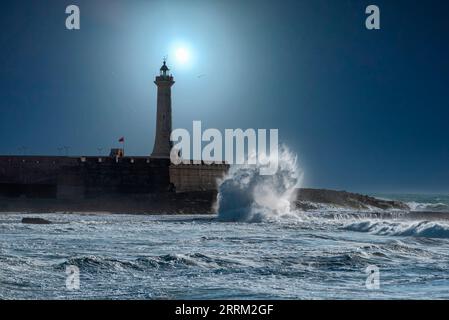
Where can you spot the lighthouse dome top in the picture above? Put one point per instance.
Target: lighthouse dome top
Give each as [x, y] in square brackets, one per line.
[164, 67]
[164, 76]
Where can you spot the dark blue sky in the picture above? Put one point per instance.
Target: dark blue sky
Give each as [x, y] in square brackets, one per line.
[364, 110]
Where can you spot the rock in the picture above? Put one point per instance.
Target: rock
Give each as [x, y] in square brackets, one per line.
[35, 221]
[344, 199]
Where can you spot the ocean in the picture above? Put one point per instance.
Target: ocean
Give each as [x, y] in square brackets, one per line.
[256, 247]
[323, 254]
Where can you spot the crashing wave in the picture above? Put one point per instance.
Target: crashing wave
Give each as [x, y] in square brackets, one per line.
[248, 196]
[425, 229]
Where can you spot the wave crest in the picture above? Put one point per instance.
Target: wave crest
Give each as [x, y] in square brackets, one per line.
[434, 207]
[97, 264]
[425, 229]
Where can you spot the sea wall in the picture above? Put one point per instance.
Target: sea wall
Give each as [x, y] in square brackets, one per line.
[197, 177]
[41, 177]
[81, 177]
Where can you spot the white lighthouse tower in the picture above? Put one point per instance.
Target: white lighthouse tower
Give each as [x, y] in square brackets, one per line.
[162, 143]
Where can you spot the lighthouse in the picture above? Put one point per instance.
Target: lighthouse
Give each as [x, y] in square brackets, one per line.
[162, 143]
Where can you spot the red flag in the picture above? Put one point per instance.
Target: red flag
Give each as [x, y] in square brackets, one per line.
[122, 139]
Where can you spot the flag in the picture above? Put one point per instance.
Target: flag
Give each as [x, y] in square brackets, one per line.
[122, 139]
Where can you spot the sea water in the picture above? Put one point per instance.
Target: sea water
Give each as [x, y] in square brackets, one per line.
[322, 255]
[257, 247]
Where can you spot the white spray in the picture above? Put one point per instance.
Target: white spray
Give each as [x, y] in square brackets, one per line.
[247, 195]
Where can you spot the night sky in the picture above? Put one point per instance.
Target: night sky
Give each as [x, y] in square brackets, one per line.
[365, 111]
